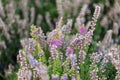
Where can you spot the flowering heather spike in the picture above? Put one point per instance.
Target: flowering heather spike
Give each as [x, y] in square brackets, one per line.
[69, 51]
[89, 36]
[21, 58]
[82, 56]
[95, 16]
[93, 72]
[96, 57]
[97, 12]
[57, 43]
[74, 64]
[30, 45]
[40, 72]
[56, 34]
[33, 62]
[24, 74]
[78, 42]
[83, 30]
[67, 28]
[37, 33]
[84, 38]
[54, 52]
[55, 38]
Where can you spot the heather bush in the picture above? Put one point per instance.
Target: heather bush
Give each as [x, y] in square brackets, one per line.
[61, 56]
[75, 49]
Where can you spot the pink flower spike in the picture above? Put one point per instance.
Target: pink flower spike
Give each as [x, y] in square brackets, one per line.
[83, 30]
[58, 43]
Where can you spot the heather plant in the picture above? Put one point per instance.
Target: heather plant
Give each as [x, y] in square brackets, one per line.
[57, 56]
[63, 55]
[68, 51]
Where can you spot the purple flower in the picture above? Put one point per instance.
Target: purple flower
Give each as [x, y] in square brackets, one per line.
[30, 45]
[33, 62]
[73, 61]
[55, 77]
[96, 57]
[53, 51]
[58, 43]
[82, 56]
[64, 77]
[69, 51]
[83, 30]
